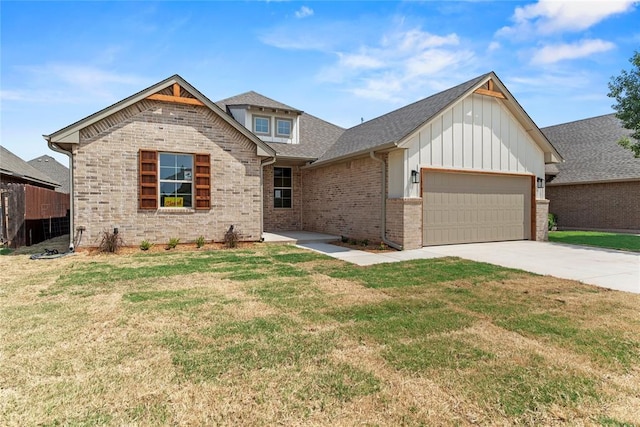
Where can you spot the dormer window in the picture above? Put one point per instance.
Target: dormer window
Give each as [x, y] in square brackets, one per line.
[261, 125]
[283, 127]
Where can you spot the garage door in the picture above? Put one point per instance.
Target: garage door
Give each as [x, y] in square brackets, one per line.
[467, 208]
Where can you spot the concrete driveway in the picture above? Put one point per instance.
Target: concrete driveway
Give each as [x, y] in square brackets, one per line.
[602, 267]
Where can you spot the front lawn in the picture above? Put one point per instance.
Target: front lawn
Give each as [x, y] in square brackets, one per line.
[626, 242]
[276, 335]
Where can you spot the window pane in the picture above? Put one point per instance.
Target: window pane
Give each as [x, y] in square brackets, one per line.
[283, 127]
[168, 160]
[167, 172]
[261, 125]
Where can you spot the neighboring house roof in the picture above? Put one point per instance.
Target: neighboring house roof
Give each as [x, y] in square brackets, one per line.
[591, 151]
[70, 134]
[316, 135]
[51, 167]
[12, 165]
[391, 129]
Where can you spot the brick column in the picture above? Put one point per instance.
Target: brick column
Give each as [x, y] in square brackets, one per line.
[404, 222]
[542, 220]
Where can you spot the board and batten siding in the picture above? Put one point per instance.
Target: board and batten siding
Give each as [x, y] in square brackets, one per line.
[477, 133]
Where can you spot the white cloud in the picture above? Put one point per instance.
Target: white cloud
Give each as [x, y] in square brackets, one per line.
[72, 83]
[402, 64]
[557, 16]
[493, 46]
[558, 52]
[359, 61]
[304, 12]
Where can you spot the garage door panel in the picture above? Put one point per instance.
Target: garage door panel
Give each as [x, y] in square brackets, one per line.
[465, 208]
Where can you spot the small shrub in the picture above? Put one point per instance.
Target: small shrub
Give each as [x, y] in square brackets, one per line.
[200, 242]
[344, 239]
[353, 242]
[172, 243]
[382, 246]
[231, 237]
[110, 242]
[365, 242]
[145, 245]
[553, 222]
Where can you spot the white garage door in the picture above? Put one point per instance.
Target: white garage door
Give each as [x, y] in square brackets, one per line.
[467, 208]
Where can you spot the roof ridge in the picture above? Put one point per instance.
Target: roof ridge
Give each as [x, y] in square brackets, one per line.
[407, 106]
[579, 120]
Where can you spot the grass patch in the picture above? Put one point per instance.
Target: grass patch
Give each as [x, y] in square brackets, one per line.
[421, 272]
[273, 335]
[165, 300]
[6, 251]
[605, 346]
[625, 242]
[203, 360]
[392, 321]
[520, 389]
[440, 352]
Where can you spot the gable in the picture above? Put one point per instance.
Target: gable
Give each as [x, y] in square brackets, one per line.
[174, 90]
[398, 127]
[478, 133]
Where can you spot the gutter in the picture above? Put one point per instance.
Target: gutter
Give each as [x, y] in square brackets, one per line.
[383, 228]
[363, 152]
[262, 165]
[54, 147]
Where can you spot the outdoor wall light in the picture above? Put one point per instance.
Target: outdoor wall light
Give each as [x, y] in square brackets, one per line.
[415, 177]
[540, 182]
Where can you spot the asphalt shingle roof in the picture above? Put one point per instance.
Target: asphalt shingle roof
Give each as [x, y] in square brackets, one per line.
[394, 126]
[51, 167]
[316, 135]
[10, 164]
[591, 151]
[254, 99]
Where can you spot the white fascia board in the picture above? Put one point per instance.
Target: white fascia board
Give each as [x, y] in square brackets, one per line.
[68, 138]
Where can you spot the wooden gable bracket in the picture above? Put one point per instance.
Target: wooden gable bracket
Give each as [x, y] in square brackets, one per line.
[490, 90]
[175, 98]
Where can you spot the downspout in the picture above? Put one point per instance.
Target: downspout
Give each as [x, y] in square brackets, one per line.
[383, 228]
[57, 149]
[262, 165]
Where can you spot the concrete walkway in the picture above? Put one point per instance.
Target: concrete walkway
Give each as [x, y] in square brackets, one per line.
[611, 269]
[295, 237]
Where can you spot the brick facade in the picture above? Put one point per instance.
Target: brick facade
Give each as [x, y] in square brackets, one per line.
[542, 220]
[106, 175]
[404, 222]
[603, 206]
[282, 219]
[344, 199]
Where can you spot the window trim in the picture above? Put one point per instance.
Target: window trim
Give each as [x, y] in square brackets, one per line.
[283, 135]
[268, 119]
[275, 188]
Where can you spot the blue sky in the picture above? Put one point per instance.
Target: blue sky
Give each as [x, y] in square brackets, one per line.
[340, 61]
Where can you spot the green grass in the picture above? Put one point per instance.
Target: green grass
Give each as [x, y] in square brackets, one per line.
[625, 242]
[6, 251]
[391, 321]
[421, 272]
[517, 389]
